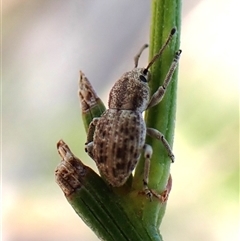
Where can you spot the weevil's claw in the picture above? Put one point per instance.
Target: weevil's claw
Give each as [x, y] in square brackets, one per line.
[162, 197]
[172, 157]
[148, 193]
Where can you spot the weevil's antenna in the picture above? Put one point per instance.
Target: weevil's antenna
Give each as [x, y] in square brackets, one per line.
[173, 31]
[136, 58]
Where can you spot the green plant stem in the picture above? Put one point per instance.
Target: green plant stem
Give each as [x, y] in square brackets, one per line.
[110, 216]
[165, 15]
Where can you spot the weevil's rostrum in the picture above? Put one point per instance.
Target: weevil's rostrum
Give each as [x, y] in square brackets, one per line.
[116, 139]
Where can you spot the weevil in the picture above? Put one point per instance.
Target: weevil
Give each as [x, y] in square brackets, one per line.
[116, 139]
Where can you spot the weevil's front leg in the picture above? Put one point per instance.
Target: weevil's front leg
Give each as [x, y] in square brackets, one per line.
[89, 142]
[158, 135]
[159, 94]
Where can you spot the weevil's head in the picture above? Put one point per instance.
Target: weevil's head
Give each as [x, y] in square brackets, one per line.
[131, 91]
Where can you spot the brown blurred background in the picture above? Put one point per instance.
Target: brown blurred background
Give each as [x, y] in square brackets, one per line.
[46, 43]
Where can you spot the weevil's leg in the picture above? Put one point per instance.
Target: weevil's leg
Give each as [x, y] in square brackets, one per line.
[89, 148]
[91, 130]
[163, 197]
[158, 135]
[147, 155]
[146, 190]
[159, 94]
[89, 143]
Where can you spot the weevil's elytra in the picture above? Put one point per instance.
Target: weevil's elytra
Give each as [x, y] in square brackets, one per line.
[120, 132]
[123, 140]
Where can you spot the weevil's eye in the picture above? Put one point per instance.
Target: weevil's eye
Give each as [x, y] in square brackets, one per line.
[143, 78]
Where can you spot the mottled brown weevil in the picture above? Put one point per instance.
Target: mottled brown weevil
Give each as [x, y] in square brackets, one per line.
[116, 139]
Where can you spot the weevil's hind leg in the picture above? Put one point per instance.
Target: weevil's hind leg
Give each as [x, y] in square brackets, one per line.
[89, 142]
[159, 94]
[146, 190]
[91, 130]
[147, 155]
[163, 197]
[158, 135]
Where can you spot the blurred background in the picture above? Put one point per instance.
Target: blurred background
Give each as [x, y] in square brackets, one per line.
[47, 42]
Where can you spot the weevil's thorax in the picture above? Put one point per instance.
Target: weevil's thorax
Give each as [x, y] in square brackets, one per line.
[131, 91]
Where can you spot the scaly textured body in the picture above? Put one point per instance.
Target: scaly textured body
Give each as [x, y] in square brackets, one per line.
[120, 132]
[116, 139]
[118, 142]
